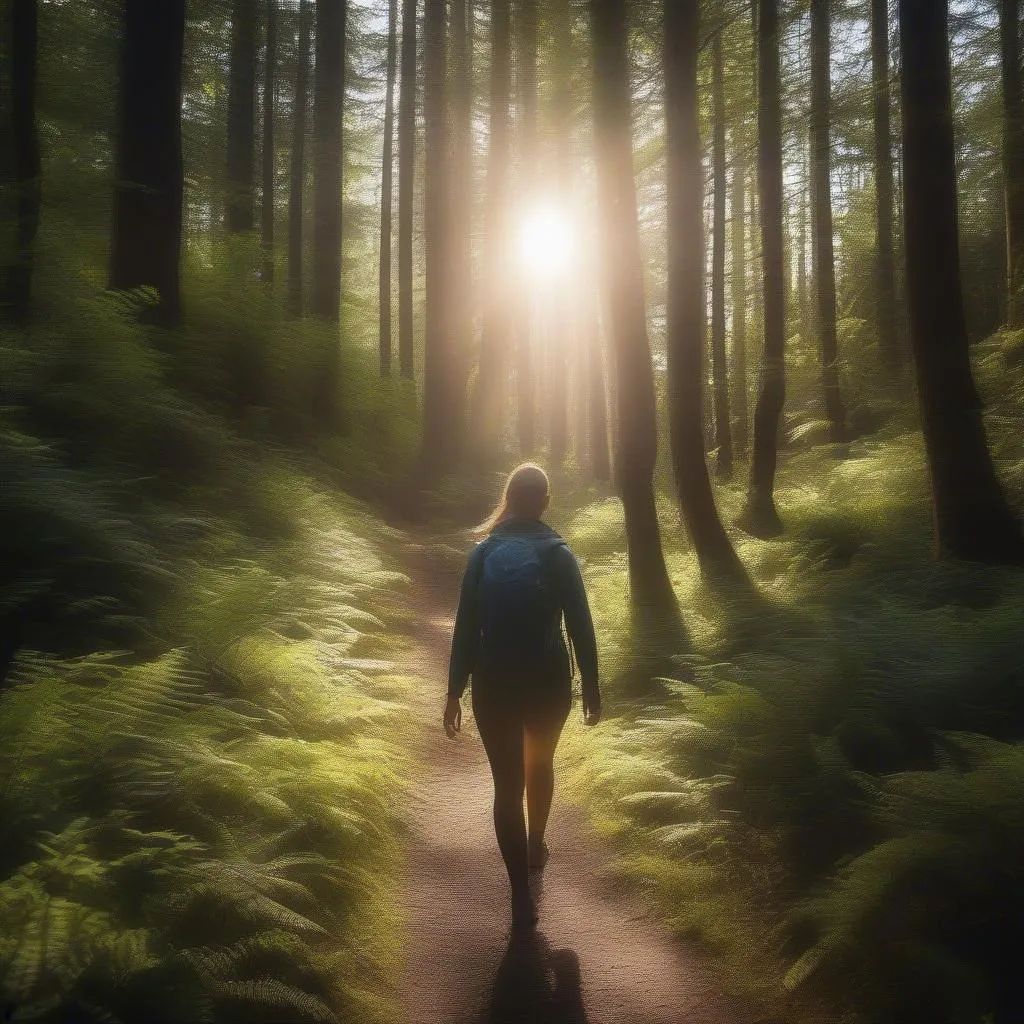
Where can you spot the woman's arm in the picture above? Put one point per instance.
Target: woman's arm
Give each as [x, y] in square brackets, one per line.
[580, 624]
[465, 638]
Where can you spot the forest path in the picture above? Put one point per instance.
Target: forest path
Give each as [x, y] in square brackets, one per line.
[595, 956]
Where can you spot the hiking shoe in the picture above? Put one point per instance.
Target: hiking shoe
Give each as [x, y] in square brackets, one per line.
[540, 857]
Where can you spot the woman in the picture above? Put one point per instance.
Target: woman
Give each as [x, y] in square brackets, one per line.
[519, 583]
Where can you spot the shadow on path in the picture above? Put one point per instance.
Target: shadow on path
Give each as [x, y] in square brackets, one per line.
[535, 983]
[598, 957]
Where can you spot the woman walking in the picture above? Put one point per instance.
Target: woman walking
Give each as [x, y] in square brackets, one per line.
[520, 581]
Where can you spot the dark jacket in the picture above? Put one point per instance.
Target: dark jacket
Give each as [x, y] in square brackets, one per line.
[571, 600]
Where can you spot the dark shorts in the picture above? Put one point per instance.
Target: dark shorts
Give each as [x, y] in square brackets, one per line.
[536, 707]
[503, 712]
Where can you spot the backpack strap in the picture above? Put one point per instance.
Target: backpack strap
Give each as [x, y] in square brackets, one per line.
[482, 557]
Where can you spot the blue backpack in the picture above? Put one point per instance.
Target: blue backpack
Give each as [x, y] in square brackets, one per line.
[519, 620]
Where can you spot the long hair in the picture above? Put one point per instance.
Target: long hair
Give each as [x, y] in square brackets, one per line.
[525, 490]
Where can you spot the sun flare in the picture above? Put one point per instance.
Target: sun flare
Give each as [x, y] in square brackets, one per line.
[546, 241]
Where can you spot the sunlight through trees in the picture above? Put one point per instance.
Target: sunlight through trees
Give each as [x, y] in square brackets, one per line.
[285, 288]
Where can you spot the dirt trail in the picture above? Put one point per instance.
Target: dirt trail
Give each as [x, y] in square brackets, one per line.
[595, 956]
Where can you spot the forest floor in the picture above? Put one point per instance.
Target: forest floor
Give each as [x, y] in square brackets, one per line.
[597, 955]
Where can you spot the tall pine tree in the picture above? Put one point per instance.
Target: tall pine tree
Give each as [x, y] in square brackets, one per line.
[652, 599]
[149, 175]
[972, 517]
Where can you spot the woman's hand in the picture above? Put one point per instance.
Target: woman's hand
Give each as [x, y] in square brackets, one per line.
[591, 713]
[452, 717]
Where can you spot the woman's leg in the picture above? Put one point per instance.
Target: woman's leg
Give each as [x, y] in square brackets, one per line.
[543, 727]
[501, 729]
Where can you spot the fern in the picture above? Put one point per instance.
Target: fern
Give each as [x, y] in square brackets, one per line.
[284, 1001]
[268, 833]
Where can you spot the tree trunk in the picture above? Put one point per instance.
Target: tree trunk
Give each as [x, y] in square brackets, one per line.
[1013, 158]
[739, 288]
[561, 332]
[269, 107]
[757, 272]
[801, 253]
[328, 157]
[888, 322]
[577, 398]
[821, 207]
[526, 386]
[793, 206]
[26, 157]
[756, 252]
[760, 517]
[488, 397]
[461, 197]
[328, 100]
[972, 517]
[149, 180]
[719, 366]
[523, 326]
[652, 598]
[298, 164]
[597, 402]
[440, 420]
[686, 295]
[384, 274]
[241, 116]
[406, 186]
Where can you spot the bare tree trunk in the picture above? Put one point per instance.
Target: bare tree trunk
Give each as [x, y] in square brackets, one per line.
[558, 400]
[888, 322]
[461, 195]
[686, 294]
[801, 253]
[788, 235]
[406, 186]
[760, 517]
[241, 116]
[149, 181]
[757, 271]
[441, 419]
[972, 517]
[578, 389]
[739, 288]
[597, 403]
[26, 157]
[756, 250]
[387, 162]
[652, 598]
[526, 385]
[494, 342]
[821, 206]
[328, 100]
[269, 108]
[1013, 157]
[523, 327]
[719, 365]
[298, 164]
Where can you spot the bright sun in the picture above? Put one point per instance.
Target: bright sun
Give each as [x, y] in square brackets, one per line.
[545, 241]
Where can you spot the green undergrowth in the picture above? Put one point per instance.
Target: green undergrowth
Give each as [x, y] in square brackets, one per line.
[199, 771]
[823, 789]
